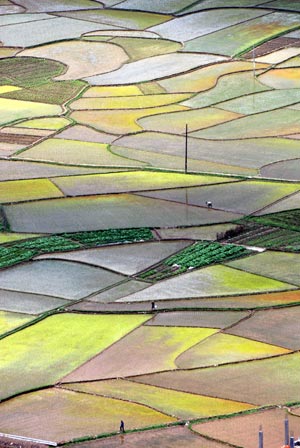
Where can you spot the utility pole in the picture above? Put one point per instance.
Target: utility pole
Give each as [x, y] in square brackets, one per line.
[253, 60]
[186, 149]
[260, 438]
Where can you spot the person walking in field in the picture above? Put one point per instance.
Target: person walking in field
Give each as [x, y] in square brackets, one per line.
[122, 426]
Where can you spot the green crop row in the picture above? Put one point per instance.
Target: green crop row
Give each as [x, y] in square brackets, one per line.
[289, 219]
[198, 255]
[99, 237]
[28, 71]
[17, 252]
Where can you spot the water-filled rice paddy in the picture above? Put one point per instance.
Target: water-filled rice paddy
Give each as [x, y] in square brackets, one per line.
[57, 278]
[94, 212]
[209, 282]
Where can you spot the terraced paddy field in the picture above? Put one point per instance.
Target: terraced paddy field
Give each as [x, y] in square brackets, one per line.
[149, 222]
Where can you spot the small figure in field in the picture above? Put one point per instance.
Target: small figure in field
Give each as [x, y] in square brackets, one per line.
[153, 306]
[122, 427]
[209, 204]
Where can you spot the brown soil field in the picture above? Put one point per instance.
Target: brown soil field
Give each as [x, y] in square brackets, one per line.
[235, 302]
[273, 45]
[268, 381]
[145, 350]
[275, 327]
[177, 437]
[19, 139]
[243, 430]
[208, 319]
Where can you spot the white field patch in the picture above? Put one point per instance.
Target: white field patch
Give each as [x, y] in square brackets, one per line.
[153, 68]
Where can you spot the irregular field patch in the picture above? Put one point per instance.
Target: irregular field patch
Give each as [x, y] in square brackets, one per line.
[94, 212]
[58, 92]
[120, 18]
[128, 102]
[266, 124]
[262, 102]
[251, 153]
[285, 169]
[130, 182]
[213, 319]
[61, 415]
[271, 326]
[272, 381]
[13, 110]
[9, 321]
[283, 78]
[208, 282]
[28, 72]
[95, 57]
[178, 404]
[243, 430]
[51, 123]
[22, 302]
[177, 437]
[233, 85]
[244, 36]
[119, 121]
[157, 67]
[174, 123]
[127, 258]
[278, 265]
[62, 342]
[25, 190]
[238, 197]
[223, 349]
[75, 152]
[57, 278]
[205, 78]
[148, 349]
[192, 26]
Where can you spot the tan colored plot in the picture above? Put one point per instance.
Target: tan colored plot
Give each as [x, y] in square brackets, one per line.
[243, 430]
[148, 349]
[62, 415]
[75, 152]
[174, 123]
[176, 437]
[120, 121]
[279, 56]
[94, 57]
[129, 102]
[283, 78]
[205, 78]
[25, 190]
[108, 91]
